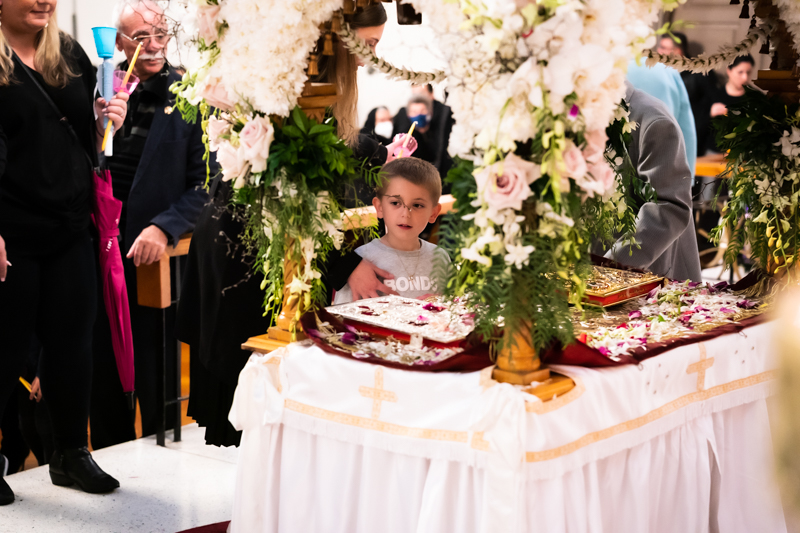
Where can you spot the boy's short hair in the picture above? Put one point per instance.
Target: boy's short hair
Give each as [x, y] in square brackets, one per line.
[416, 171]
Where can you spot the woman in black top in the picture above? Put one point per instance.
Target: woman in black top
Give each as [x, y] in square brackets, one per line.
[723, 97]
[47, 263]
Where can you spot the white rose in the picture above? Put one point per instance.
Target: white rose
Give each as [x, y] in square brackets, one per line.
[234, 165]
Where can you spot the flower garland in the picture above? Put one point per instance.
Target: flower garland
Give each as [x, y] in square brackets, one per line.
[361, 49]
[703, 63]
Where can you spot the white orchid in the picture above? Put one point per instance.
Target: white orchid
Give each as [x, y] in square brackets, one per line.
[518, 256]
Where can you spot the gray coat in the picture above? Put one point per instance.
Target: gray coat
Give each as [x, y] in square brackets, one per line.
[664, 228]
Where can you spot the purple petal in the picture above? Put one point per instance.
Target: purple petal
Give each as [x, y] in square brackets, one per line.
[726, 310]
[746, 304]
[603, 350]
[721, 286]
[693, 284]
[422, 318]
[574, 110]
[433, 307]
[350, 328]
[349, 338]
[635, 314]
[313, 333]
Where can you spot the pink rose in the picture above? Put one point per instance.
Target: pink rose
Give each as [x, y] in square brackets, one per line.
[255, 138]
[602, 178]
[574, 163]
[216, 95]
[234, 165]
[216, 128]
[507, 184]
[595, 146]
[207, 20]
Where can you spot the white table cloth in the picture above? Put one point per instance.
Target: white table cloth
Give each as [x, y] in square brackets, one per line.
[679, 444]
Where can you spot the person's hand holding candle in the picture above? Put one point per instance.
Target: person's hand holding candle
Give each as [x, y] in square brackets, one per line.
[114, 110]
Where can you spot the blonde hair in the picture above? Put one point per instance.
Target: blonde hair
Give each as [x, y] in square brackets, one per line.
[416, 171]
[346, 107]
[341, 69]
[48, 59]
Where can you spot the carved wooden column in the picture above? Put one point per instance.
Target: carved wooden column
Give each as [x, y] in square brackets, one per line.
[316, 99]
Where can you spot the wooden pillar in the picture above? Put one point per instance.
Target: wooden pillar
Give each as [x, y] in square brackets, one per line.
[315, 101]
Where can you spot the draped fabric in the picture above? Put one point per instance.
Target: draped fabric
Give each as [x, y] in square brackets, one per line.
[680, 443]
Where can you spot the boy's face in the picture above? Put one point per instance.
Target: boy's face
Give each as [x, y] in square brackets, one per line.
[406, 209]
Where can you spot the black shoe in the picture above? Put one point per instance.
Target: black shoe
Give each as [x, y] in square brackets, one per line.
[6, 494]
[77, 466]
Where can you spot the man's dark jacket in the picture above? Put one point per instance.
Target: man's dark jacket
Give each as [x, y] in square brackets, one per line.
[167, 189]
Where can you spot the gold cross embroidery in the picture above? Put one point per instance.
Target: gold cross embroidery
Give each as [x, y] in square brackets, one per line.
[700, 367]
[377, 394]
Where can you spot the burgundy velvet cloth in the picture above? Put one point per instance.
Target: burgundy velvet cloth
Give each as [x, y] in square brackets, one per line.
[579, 354]
[220, 527]
[476, 355]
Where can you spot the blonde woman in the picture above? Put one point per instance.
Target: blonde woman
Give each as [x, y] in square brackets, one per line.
[47, 265]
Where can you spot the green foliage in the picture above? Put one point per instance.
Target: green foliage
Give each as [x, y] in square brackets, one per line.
[762, 140]
[615, 218]
[293, 210]
[538, 295]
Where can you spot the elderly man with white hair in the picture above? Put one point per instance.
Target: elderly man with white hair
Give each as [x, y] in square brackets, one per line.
[158, 172]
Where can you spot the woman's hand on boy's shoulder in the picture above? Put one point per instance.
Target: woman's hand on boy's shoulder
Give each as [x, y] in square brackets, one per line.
[364, 282]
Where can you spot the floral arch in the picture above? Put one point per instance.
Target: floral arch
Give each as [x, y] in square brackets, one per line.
[535, 88]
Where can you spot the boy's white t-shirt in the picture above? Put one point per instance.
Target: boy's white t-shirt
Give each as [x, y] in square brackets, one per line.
[415, 273]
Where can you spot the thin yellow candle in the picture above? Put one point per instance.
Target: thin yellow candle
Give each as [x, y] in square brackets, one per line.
[124, 84]
[405, 141]
[25, 383]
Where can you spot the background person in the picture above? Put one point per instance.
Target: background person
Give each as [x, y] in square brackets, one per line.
[158, 172]
[699, 87]
[379, 125]
[664, 230]
[50, 289]
[721, 98]
[439, 123]
[664, 83]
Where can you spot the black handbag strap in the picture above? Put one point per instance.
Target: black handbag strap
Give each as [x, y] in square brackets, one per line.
[50, 101]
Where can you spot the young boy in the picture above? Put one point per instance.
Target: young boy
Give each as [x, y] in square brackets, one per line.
[407, 201]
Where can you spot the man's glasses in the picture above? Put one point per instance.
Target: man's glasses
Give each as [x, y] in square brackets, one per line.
[158, 38]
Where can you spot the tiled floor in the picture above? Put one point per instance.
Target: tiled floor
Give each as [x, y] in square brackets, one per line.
[184, 485]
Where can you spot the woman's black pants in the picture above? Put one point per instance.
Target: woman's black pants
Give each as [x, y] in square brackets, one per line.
[52, 297]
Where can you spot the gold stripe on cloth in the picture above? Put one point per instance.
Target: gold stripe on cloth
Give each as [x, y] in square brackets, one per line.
[636, 423]
[377, 425]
